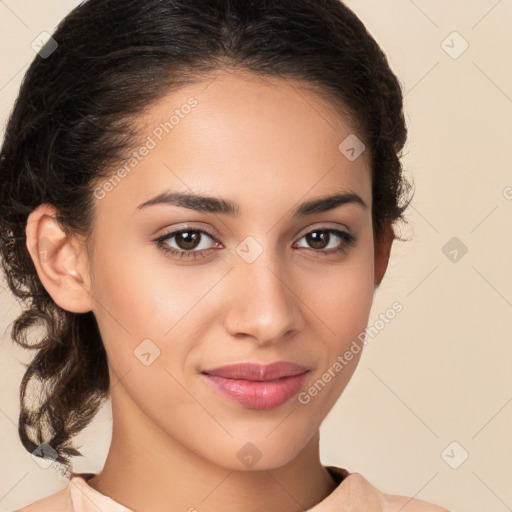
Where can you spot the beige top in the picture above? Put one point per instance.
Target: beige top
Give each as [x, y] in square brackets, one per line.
[353, 494]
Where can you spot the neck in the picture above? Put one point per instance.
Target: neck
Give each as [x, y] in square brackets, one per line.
[145, 469]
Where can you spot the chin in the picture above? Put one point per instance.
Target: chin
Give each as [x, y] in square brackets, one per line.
[258, 452]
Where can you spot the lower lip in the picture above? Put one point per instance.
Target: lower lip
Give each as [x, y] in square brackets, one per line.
[258, 394]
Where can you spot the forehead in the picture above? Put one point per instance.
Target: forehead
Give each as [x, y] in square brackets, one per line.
[240, 134]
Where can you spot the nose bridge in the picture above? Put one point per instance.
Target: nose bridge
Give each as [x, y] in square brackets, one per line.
[262, 304]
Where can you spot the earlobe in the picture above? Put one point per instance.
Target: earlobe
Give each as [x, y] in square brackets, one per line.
[60, 261]
[382, 253]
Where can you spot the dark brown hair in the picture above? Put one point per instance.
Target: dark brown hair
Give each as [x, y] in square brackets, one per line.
[74, 117]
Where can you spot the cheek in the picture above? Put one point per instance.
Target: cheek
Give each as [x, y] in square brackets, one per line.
[162, 303]
[141, 296]
[341, 296]
[343, 309]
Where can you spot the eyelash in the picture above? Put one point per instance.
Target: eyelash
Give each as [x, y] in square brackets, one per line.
[348, 239]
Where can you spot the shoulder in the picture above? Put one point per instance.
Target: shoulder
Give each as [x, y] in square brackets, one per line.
[409, 504]
[356, 489]
[60, 501]
[392, 502]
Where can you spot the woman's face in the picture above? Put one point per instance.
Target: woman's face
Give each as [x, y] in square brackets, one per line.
[270, 281]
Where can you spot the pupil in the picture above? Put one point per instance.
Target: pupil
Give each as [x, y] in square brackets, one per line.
[318, 239]
[186, 240]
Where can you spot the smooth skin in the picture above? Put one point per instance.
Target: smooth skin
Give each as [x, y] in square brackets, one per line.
[268, 145]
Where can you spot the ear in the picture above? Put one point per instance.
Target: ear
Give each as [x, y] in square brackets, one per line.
[382, 253]
[61, 261]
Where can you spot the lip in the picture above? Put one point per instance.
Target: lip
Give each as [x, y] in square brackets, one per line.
[258, 386]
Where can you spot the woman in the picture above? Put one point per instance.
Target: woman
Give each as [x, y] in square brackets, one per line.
[198, 204]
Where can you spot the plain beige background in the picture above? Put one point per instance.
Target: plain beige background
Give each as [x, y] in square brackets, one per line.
[435, 384]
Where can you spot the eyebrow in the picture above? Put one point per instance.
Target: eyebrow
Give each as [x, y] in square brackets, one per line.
[227, 207]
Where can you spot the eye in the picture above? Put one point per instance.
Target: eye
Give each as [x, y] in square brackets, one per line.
[188, 241]
[193, 243]
[321, 240]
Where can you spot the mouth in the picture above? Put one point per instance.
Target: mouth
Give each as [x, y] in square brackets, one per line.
[257, 386]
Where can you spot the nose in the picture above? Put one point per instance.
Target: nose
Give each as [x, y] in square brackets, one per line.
[262, 301]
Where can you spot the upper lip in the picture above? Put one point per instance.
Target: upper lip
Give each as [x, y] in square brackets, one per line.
[258, 372]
